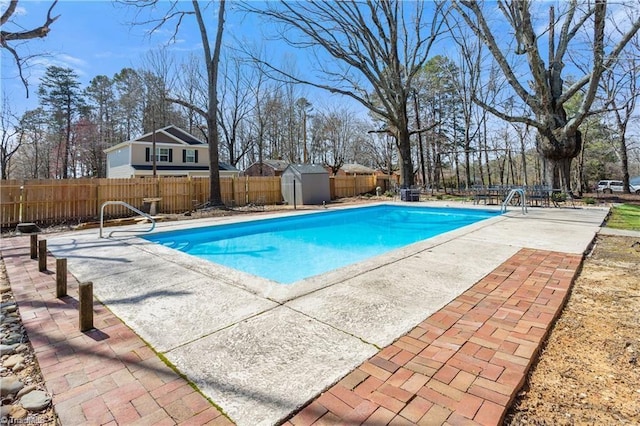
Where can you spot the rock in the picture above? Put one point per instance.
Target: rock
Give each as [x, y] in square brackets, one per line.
[8, 349]
[25, 391]
[4, 412]
[5, 289]
[18, 412]
[18, 367]
[13, 360]
[35, 400]
[12, 339]
[10, 385]
[9, 307]
[22, 348]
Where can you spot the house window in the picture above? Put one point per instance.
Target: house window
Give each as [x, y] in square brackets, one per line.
[190, 156]
[163, 155]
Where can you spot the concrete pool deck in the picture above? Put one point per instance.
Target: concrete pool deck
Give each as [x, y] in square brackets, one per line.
[261, 353]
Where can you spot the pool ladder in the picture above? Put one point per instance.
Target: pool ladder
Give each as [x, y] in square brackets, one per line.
[130, 207]
[512, 193]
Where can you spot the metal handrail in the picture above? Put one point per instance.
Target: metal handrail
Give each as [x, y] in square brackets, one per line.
[510, 196]
[130, 207]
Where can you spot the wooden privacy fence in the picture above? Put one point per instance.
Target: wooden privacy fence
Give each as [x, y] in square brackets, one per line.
[350, 186]
[76, 200]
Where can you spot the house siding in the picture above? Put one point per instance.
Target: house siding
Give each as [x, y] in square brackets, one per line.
[120, 172]
[139, 156]
[119, 157]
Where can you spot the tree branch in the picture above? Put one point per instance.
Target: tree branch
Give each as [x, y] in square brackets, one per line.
[38, 32]
[188, 105]
[9, 36]
[504, 116]
[483, 32]
[425, 129]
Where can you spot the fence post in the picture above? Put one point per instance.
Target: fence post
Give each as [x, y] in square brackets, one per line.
[85, 308]
[61, 278]
[233, 190]
[42, 255]
[34, 246]
[98, 203]
[190, 195]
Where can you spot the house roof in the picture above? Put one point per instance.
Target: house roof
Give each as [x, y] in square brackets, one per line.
[277, 165]
[307, 169]
[226, 166]
[357, 169]
[182, 135]
[169, 134]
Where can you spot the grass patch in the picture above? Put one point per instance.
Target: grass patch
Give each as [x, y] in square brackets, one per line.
[625, 216]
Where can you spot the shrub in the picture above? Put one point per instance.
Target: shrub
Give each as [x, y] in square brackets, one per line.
[589, 200]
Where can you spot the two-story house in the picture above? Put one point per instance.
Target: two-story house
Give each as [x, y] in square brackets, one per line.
[177, 153]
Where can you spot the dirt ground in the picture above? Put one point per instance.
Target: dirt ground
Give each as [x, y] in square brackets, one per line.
[589, 373]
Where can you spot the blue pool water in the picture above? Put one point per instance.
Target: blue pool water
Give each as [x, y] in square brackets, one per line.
[289, 249]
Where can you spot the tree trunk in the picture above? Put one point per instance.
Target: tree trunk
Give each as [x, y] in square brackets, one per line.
[67, 141]
[486, 151]
[404, 150]
[523, 152]
[420, 146]
[213, 136]
[558, 148]
[624, 160]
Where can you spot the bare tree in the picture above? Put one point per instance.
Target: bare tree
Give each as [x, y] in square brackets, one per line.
[192, 91]
[34, 158]
[234, 110]
[176, 14]
[336, 131]
[21, 34]
[542, 89]
[377, 46]
[10, 137]
[621, 86]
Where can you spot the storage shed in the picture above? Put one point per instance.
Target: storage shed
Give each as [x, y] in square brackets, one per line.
[305, 184]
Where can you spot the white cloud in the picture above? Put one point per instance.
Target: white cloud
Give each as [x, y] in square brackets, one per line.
[38, 65]
[71, 61]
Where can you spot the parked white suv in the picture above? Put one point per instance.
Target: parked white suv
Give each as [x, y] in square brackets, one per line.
[611, 186]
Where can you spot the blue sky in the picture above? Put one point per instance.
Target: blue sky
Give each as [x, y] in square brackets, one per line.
[95, 37]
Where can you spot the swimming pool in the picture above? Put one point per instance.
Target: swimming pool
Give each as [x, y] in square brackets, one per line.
[289, 249]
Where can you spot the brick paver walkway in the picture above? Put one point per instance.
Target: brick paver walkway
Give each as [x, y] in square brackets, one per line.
[105, 376]
[462, 365]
